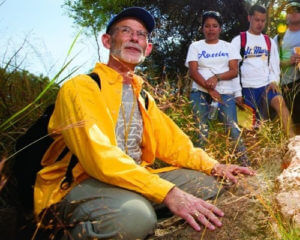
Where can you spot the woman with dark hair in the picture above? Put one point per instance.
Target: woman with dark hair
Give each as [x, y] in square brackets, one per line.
[213, 65]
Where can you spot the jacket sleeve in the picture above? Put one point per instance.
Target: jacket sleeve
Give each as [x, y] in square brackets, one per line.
[89, 133]
[174, 146]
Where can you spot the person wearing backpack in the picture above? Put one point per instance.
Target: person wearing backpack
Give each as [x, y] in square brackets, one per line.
[288, 44]
[116, 131]
[259, 69]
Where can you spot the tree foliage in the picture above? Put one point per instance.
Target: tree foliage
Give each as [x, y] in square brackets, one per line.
[177, 24]
[276, 13]
[93, 15]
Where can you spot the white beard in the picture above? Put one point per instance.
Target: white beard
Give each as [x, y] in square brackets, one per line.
[121, 54]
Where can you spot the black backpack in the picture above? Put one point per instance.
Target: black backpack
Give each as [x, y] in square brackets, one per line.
[32, 146]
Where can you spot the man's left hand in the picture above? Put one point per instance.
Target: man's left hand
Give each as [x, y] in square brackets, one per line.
[273, 87]
[229, 171]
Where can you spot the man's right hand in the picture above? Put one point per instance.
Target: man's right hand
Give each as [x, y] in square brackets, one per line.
[192, 209]
[295, 59]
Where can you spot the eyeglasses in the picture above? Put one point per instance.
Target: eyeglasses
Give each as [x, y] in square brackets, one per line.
[128, 32]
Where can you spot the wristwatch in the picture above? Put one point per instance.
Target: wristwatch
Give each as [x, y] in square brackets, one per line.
[218, 77]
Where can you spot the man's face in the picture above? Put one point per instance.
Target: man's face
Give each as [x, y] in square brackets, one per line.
[293, 16]
[257, 22]
[129, 41]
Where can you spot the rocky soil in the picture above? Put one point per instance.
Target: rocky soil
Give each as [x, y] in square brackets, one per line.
[251, 205]
[248, 215]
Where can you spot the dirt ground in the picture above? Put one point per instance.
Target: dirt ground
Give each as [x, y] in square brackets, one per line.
[246, 216]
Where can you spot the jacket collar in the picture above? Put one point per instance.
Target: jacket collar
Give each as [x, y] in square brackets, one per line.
[101, 68]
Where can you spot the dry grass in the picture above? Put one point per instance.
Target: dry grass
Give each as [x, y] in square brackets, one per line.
[265, 146]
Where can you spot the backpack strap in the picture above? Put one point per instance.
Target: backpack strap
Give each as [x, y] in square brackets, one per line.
[96, 78]
[243, 36]
[146, 98]
[63, 153]
[68, 179]
[268, 42]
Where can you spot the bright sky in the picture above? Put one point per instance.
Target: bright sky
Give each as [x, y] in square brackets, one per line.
[49, 33]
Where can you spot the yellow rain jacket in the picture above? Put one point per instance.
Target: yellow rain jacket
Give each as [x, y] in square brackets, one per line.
[84, 120]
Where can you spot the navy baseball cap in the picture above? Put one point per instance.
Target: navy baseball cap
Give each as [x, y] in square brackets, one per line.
[135, 12]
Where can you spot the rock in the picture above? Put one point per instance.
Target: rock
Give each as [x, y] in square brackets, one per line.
[296, 219]
[288, 197]
[289, 179]
[289, 203]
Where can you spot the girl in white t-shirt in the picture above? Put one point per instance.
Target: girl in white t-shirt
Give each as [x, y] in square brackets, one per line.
[213, 64]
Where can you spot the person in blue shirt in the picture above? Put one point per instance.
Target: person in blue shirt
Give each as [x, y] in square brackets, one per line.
[288, 43]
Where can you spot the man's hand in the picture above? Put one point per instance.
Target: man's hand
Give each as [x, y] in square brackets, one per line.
[192, 209]
[273, 87]
[295, 59]
[229, 171]
[215, 95]
[212, 82]
[240, 102]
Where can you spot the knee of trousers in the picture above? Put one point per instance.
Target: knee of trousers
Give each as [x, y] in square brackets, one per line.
[135, 219]
[139, 219]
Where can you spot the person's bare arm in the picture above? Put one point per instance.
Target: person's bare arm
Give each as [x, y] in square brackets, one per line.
[228, 75]
[273, 87]
[195, 75]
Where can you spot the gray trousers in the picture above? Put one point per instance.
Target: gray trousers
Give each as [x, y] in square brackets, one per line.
[96, 210]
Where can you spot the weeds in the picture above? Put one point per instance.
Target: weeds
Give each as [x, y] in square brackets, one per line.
[23, 97]
[265, 146]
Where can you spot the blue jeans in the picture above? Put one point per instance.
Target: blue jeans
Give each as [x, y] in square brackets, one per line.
[200, 105]
[226, 114]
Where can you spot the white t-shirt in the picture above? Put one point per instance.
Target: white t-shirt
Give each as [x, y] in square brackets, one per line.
[255, 71]
[214, 59]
